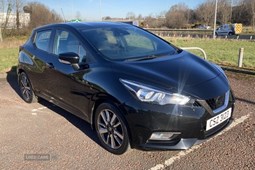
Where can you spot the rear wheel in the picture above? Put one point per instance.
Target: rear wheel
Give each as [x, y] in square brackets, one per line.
[230, 33]
[111, 129]
[26, 90]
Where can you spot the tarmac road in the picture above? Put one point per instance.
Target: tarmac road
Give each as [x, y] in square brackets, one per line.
[43, 136]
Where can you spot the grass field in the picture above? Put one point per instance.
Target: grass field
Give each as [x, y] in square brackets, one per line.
[9, 53]
[224, 52]
[221, 51]
[8, 58]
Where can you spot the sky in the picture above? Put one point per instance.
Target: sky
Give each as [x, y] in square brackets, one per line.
[93, 10]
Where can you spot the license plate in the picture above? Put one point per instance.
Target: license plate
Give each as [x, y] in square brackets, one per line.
[216, 120]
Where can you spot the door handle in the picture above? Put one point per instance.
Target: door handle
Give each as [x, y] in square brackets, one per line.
[49, 65]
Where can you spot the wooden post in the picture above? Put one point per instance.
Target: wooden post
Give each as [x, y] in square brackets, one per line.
[240, 58]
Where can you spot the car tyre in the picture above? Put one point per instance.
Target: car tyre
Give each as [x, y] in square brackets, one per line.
[111, 129]
[26, 90]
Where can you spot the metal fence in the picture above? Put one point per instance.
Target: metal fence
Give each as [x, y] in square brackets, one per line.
[196, 33]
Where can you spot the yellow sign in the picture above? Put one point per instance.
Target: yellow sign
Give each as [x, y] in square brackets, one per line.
[238, 28]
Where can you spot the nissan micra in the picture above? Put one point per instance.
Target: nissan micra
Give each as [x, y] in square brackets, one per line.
[134, 88]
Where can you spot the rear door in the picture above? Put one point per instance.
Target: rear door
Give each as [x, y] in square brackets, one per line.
[39, 51]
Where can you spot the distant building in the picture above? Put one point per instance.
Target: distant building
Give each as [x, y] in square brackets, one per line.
[24, 19]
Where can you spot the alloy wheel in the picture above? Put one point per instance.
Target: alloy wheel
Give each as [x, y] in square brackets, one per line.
[110, 129]
[25, 88]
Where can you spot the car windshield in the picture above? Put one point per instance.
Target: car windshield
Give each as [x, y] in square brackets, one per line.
[127, 43]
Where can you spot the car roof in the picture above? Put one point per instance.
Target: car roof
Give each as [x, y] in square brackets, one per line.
[83, 25]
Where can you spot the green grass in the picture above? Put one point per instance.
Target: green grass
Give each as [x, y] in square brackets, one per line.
[220, 51]
[8, 58]
[9, 52]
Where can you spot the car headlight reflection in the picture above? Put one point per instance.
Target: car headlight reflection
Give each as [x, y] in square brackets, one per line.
[148, 94]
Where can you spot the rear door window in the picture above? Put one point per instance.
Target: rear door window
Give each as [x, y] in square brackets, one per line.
[42, 40]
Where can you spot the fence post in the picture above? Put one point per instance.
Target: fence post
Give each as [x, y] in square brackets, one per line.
[1, 37]
[240, 57]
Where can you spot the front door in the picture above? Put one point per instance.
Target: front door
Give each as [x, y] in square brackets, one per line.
[67, 85]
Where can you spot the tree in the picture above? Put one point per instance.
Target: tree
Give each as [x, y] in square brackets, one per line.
[19, 6]
[242, 13]
[224, 11]
[140, 17]
[205, 12]
[252, 5]
[177, 16]
[107, 18]
[36, 10]
[9, 10]
[192, 16]
[130, 15]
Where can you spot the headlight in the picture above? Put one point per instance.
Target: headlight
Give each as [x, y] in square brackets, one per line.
[148, 94]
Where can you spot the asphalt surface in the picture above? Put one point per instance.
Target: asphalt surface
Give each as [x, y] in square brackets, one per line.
[43, 136]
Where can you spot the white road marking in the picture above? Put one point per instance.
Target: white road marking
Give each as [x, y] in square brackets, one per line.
[40, 108]
[34, 111]
[181, 154]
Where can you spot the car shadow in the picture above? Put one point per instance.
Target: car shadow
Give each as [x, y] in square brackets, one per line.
[12, 80]
[79, 123]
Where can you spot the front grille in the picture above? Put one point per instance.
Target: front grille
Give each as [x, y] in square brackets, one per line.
[216, 102]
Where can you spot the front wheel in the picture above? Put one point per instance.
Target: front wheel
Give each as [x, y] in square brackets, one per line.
[26, 90]
[111, 129]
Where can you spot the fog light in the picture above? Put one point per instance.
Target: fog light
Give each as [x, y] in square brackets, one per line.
[163, 135]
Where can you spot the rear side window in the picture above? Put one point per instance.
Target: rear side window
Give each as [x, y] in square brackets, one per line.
[42, 40]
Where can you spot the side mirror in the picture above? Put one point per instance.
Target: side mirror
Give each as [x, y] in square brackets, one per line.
[69, 58]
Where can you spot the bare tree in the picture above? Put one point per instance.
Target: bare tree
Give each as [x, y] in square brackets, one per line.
[150, 22]
[130, 15]
[242, 12]
[224, 11]
[36, 10]
[139, 17]
[177, 16]
[252, 4]
[19, 6]
[205, 12]
[8, 12]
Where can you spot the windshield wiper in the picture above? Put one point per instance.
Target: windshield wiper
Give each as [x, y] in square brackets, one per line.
[142, 58]
[149, 57]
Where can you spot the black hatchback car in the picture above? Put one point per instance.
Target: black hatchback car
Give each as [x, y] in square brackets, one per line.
[133, 87]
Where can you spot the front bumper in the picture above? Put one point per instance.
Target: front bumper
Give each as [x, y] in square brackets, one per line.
[180, 143]
[190, 121]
